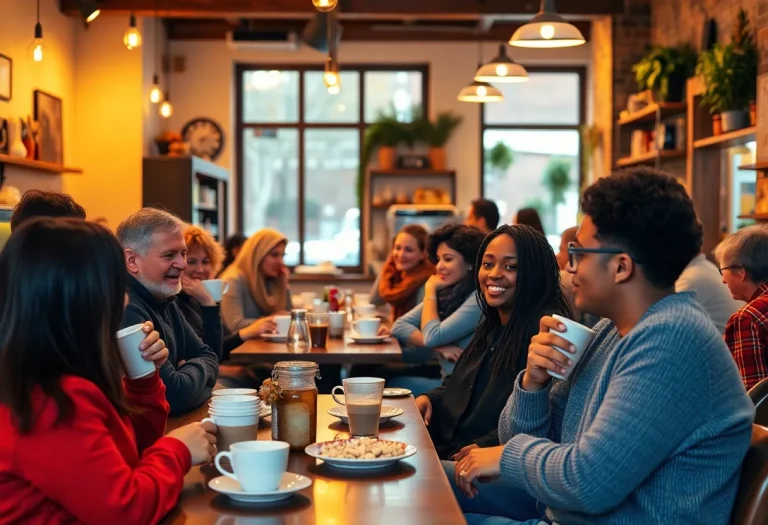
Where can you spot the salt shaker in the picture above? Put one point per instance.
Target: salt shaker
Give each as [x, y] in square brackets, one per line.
[299, 340]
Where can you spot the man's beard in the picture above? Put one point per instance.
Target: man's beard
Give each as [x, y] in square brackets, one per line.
[161, 290]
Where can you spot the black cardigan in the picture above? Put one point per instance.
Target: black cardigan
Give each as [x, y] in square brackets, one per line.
[189, 386]
[206, 322]
[466, 407]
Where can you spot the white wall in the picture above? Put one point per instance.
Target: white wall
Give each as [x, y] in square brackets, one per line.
[206, 88]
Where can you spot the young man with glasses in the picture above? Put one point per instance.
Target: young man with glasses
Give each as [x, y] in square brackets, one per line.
[743, 261]
[652, 424]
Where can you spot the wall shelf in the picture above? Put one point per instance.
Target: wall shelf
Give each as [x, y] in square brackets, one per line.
[651, 157]
[758, 166]
[416, 172]
[759, 218]
[727, 140]
[651, 112]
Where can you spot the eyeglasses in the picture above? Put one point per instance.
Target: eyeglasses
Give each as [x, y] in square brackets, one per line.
[574, 253]
[731, 267]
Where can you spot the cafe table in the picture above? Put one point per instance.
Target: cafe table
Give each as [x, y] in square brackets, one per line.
[414, 491]
[336, 352]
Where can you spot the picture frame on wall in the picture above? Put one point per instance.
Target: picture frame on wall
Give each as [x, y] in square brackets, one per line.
[6, 77]
[50, 140]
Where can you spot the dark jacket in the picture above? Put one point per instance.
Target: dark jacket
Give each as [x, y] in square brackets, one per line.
[466, 407]
[189, 386]
[206, 322]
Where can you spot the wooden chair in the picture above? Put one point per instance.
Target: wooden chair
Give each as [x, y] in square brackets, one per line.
[759, 396]
[751, 506]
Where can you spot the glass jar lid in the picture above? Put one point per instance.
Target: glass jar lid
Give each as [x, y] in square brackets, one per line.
[298, 313]
[296, 366]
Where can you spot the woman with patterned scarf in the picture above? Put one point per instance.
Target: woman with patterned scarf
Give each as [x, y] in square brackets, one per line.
[446, 319]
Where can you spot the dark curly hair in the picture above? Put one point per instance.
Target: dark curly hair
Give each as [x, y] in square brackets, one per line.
[37, 203]
[537, 293]
[464, 239]
[648, 214]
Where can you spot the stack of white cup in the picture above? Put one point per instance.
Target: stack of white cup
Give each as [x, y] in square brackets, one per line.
[237, 418]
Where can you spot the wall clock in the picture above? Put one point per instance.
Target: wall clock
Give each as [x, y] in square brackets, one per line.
[204, 136]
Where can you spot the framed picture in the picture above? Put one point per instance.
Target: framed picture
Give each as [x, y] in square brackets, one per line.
[50, 129]
[6, 75]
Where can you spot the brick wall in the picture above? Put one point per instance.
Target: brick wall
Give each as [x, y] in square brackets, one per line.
[678, 21]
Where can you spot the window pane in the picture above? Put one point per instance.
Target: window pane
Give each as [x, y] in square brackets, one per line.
[331, 215]
[270, 96]
[321, 106]
[547, 98]
[385, 90]
[544, 175]
[270, 184]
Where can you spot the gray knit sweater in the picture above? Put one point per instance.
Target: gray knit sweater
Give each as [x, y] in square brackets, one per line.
[650, 428]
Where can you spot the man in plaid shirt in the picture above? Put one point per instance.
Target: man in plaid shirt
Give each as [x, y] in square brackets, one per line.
[743, 262]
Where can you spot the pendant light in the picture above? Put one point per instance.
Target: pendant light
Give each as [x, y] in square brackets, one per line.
[166, 108]
[155, 95]
[331, 75]
[479, 91]
[547, 30]
[132, 37]
[501, 68]
[36, 47]
[325, 5]
[89, 10]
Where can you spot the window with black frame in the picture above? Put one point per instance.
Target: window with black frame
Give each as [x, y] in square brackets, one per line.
[532, 147]
[299, 149]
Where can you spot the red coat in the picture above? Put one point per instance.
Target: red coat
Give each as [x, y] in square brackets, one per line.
[96, 468]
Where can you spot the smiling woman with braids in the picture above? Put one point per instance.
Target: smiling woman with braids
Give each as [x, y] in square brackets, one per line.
[518, 281]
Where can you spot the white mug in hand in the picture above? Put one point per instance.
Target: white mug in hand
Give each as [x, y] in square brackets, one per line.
[129, 339]
[579, 336]
[216, 287]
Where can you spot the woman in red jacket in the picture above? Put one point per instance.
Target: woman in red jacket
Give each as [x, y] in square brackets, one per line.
[78, 444]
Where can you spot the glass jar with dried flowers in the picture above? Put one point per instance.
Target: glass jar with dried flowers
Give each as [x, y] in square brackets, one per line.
[293, 395]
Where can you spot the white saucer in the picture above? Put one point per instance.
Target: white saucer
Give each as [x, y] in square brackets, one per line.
[314, 449]
[359, 339]
[275, 338]
[387, 412]
[290, 484]
[396, 392]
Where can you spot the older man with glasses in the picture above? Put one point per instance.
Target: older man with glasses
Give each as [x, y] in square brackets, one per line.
[743, 262]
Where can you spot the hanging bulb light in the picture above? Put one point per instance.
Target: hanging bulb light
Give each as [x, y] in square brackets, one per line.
[132, 37]
[89, 10]
[155, 95]
[36, 47]
[331, 75]
[501, 68]
[325, 5]
[547, 29]
[166, 109]
[480, 92]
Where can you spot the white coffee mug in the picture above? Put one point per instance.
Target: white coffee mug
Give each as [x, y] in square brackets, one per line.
[258, 465]
[579, 336]
[216, 287]
[282, 323]
[129, 340]
[241, 420]
[368, 327]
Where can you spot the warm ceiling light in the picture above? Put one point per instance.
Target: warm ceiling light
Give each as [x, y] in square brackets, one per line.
[132, 37]
[166, 109]
[36, 47]
[335, 89]
[501, 69]
[331, 75]
[155, 95]
[89, 9]
[480, 92]
[547, 29]
[325, 5]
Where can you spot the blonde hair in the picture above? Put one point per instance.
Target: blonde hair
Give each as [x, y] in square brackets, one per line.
[196, 236]
[269, 294]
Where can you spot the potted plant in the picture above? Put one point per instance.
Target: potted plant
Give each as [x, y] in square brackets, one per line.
[436, 134]
[500, 157]
[665, 71]
[730, 77]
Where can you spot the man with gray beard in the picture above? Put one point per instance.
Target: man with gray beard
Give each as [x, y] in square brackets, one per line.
[155, 256]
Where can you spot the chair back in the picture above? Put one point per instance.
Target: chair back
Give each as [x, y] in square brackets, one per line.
[751, 506]
[759, 396]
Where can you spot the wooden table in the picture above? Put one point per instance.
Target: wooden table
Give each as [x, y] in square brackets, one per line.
[337, 352]
[413, 491]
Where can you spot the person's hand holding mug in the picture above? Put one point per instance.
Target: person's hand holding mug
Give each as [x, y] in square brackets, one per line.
[425, 408]
[265, 325]
[200, 440]
[543, 356]
[195, 289]
[152, 347]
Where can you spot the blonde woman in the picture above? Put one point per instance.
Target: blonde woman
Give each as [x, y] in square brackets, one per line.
[204, 258]
[258, 281]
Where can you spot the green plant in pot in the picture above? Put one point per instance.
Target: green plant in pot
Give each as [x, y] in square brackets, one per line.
[665, 71]
[500, 157]
[436, 134]
[730, 76]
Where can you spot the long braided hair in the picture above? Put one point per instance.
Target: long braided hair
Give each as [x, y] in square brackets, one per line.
[537, 293]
